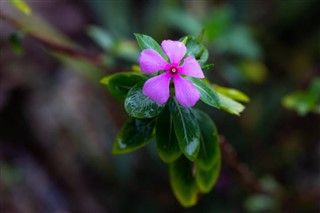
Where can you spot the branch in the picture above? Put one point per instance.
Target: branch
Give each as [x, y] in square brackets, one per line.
[54, 46]
[240, 169]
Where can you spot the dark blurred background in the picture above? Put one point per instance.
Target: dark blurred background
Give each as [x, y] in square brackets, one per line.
[57, 123]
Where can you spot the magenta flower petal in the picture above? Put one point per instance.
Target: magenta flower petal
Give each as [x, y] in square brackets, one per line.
[175, 50]
[186, 94]
[157, 88]
[151, 61]
[191, 67]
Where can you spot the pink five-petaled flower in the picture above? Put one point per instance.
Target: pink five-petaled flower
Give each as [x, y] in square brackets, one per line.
[157, 88]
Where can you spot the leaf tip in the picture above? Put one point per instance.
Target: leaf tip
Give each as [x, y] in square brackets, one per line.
[105, 80]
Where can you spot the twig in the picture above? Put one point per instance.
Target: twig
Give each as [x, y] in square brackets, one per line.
[69, 51]
[240, 169]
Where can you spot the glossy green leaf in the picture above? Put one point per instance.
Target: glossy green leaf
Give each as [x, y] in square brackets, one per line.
[232, 93]
[135, 134]
[182, 182]
[197, 50]
[147, 42]
[140, 106]
[229, 105]
[119, 84]
[22, 6]
[209, 147]
[167, 145]
[208, 94]
[207, 179]
[186, 128]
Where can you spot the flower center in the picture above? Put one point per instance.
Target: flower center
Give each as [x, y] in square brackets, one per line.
[173, 70]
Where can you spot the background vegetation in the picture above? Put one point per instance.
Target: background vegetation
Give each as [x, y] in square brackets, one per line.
[58, 123]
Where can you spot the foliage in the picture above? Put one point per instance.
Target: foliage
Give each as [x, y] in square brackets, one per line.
[45, 117]
[22, 6]
[186, 138]
[15, 42]
[304, 101]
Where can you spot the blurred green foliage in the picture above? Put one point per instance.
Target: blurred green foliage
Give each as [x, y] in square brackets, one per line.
[21, 5]
[267, 49]
[15, 42]
[304, 101]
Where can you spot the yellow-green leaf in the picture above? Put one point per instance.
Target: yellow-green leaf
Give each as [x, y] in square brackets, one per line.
[231, 93]
[229, 105]
[22, 6]
[207, 179]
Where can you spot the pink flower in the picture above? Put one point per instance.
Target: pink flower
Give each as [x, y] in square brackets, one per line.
[157, 88]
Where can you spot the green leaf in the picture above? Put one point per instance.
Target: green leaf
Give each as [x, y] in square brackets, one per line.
[208, 94]
[208, 162]
[140, 106]
[304, 101]
[260, 203]
[314, 88]
[135, 134]
[209, 148]
[298, 101]
[207, 66]
[186, 128]
[232, 93]
[218, 23]
[182, 182]
[167, 145]
[15, 42]
[207, 179]
[201, 36]
[147, 42]
[22, 6]
[102, 37]
[178, 18]
[203, 57]
[253, 70]
[229, 105]
[314, 95]
[197, 50]
[119, 84]
[239, 41]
